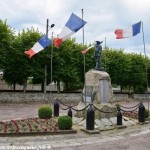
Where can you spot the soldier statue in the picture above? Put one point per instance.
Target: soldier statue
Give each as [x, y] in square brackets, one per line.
[97, 55]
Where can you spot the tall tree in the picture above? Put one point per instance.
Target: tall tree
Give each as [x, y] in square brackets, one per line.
[19, 67]
[6, 40]
[69, 65]
[137, 72]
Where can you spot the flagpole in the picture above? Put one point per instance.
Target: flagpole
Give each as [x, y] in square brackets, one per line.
[51, 66]
[105, 53]
[145, 59]
[146, 77]
[45, 77]
[84, 61]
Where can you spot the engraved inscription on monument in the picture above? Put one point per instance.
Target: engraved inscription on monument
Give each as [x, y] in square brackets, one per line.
[104, 91]
[88, 94]
[89, 90]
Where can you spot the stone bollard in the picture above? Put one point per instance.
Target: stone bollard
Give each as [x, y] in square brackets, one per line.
[141, 113]
[70, 112]
[56, 108]
[90, 118]
[119, 118]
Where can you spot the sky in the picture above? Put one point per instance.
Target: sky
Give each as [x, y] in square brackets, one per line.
[103, 17]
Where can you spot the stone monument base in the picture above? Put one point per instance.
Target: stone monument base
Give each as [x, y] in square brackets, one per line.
[98, 87]
[97, 91]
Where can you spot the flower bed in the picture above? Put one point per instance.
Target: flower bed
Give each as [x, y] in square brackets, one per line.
[30, 125]
[132, 114]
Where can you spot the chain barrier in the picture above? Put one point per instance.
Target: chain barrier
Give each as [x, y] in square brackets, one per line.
[81, 109]
[118, 107]
[71, 107]
[65, 104]
[129, 110]
[64, 108]
[104, 111]
[129, 107]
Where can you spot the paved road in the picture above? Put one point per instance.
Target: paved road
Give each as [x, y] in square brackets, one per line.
[25, 110]
[21, 110]
[132, 138]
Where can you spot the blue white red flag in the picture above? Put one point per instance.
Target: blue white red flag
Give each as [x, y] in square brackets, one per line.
[86, 50]
[74, 24]
[131, 31]
[42, 43]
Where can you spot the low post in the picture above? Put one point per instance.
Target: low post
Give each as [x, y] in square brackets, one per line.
[56, 108]
[70, 112]
[141, 113]
[90, 118]
[119, 117]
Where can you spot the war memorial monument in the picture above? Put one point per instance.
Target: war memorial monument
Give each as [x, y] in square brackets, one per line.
[98, 89]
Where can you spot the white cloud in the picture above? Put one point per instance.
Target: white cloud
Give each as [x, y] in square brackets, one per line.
[137, 6]
[102, 17]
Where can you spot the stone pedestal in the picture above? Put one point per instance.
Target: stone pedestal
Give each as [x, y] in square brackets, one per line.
[98, 90]
[98, 87]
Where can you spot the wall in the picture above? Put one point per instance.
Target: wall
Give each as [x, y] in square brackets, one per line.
[67, 97]
[141, 96]
[31, 97]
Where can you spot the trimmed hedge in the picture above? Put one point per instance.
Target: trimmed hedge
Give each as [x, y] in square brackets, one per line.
[65, 123]
[45, 112]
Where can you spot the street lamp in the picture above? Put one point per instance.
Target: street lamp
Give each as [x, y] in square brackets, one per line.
[47, 29]
[52, 25]
[52, 61]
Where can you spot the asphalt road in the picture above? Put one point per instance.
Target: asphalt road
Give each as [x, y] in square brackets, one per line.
[132, 138]
[141, 142]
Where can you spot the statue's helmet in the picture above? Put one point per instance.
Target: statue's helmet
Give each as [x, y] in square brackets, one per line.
[98, 42]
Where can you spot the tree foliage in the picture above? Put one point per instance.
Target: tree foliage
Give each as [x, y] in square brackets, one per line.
[6, 40]
[126, 70]
[18, 66]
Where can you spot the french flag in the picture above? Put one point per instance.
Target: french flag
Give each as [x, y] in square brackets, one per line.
[42, 43]
[86, 50]
[74, 24]
[131, 31]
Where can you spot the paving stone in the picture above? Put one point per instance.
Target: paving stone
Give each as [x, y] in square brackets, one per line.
[99, 122]
[106, 121]
[125, 118]
[106, 128]
[126, 123]
[109, 127]
[135, 120]
[77, 120]
[132, 122]
[82, 123]
[96, 126]
[113, 120]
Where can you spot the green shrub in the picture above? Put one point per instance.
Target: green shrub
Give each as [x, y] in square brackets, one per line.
[45, 112]
[146, 113]
[65, 123]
